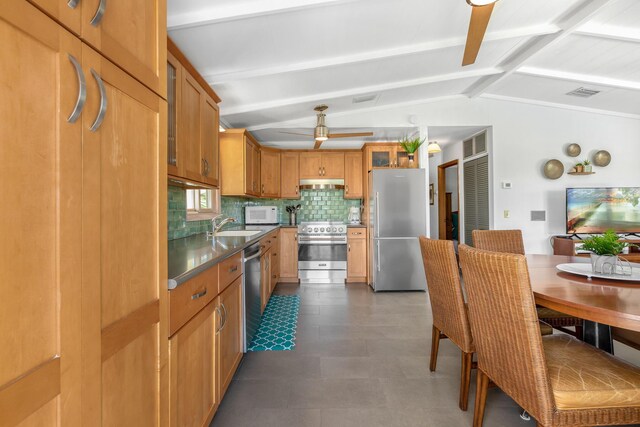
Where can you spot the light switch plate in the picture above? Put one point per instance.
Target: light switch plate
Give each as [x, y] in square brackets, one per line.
[506, 185]
[507, 214]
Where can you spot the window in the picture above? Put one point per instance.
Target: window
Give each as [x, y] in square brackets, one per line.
[202, 204]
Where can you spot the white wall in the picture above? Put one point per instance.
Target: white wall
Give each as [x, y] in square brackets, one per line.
[523, 137]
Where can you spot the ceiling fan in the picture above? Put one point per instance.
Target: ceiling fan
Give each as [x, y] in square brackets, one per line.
[480, 15]
[321, 131]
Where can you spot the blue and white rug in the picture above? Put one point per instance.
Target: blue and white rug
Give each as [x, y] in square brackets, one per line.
[277, 330]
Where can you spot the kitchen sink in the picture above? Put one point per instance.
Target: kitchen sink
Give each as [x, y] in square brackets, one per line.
[236, 233]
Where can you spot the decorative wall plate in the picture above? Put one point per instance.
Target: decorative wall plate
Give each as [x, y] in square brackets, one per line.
[553, 169]
[602, 158]
[573, 150]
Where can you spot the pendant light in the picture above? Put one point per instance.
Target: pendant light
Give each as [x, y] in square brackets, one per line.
[433, 147]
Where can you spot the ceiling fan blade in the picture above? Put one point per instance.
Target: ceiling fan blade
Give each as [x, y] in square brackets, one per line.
[349, 135]
[318, 144]
[296, 133]
[480, 16]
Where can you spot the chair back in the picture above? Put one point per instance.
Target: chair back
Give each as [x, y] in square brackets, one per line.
[445, 292]
[508, 241]
[499, 293]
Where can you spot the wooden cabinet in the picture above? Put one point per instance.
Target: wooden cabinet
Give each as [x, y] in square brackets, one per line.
[353, 176]
[315, 165]
[289, 175]
[357, 254]
[194, 362]
[379, 156]
[265, 279]
[288, 255]
[192, 125]
[269, 173]
[229, 337]
[239, 163]
[131, 34]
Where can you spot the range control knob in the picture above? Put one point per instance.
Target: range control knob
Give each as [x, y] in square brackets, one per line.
[334, 229]
[341, 230]
[304, 229]
[315, 229]
[322, 230]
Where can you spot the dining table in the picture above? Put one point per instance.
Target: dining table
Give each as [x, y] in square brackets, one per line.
[602, 303]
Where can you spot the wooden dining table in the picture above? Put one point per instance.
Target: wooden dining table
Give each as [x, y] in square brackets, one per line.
[602, 303]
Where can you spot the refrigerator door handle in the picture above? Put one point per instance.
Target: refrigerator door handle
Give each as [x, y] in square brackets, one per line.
[377, 224]
[378, 245]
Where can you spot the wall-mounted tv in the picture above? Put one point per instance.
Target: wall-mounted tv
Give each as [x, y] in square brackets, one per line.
[595, 210]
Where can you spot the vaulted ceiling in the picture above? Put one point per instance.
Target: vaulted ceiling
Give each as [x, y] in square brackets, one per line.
[272, 61]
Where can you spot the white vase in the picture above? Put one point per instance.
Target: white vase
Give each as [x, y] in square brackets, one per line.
[604, 264]
[587, 168]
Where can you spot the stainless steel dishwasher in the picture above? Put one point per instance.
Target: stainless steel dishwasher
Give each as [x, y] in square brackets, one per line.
[251, 293]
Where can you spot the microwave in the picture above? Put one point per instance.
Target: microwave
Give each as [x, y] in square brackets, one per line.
[254, 215]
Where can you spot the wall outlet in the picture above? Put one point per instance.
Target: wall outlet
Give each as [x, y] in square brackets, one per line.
[507, 214]
[506, 185]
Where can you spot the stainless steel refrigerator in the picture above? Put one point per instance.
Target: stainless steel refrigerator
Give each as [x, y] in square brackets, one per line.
[397, 217]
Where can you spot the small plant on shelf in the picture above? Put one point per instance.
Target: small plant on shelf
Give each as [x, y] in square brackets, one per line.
[579, 167]
[587, 165]
[411, 145]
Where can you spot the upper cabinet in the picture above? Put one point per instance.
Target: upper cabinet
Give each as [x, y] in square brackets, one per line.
[289, 175]
[240, 164]
[132, 34]
[193, 122]
[353, 188]
[269, 173]
[329, 165]
[382, 156]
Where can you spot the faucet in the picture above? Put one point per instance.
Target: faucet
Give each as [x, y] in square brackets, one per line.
[217, 226]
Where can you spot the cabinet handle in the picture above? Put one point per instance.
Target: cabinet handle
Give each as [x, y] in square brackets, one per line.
[274, 254]
[233, 269]
[357, 233]
[296, 189]
[295, 236]
[346, 189]
[199, 295]
[82, 90]
[102, 6]
[274, 276]
[103, 102]
[224, 318]
[206, 163]
[319, 171]
[262, 188]
[219, 314]
[349, 247]
[73, 3]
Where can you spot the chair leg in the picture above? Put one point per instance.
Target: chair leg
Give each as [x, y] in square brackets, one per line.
[435, 344]
[481, 398]
[465, 379]
[579, 332]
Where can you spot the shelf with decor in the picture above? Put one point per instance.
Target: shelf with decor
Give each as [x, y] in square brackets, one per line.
[580, 173]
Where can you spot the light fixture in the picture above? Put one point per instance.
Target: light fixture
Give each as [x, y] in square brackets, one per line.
[480, 2]
[433, 147]
[321, 133]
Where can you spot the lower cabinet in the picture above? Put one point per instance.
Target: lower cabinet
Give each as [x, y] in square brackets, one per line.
[229, 337]
[357, 255]
[288, 255]
[193, 364]
[265, 279]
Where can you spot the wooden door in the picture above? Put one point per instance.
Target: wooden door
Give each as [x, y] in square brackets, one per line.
[270, 173]
[209, 144]
[132, 34]
[250, 184]
[289, 254]
[380, 157]
[124, 265]
[255, 162]
[333, 165]
[353, 188]
[310, 165]
[41, 188]
[289, 175]
[65, 12]
[193, 364]
[175, 161]
[190, 127]
[230, 336]
[357, 258]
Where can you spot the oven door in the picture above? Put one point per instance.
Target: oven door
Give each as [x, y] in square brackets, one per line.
[322, 256]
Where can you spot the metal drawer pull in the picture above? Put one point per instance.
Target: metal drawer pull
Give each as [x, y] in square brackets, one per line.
[219, 314]
[357, 234]
[82, 90]
[73, 3]
[224, 318]
[274, 276]
[103, 102]
[199, 295]
[102, 6]
[233, 269]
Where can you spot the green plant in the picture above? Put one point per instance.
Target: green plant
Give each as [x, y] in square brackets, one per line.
[586, 162]
[607, 244]
[579, 164]
[411, 145]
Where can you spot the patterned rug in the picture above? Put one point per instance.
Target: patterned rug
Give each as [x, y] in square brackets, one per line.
[277, 330]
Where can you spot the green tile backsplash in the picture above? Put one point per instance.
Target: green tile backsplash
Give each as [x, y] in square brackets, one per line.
[317, 205]
[177, 216]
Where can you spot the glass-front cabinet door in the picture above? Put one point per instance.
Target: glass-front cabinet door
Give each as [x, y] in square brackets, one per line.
[381, 157]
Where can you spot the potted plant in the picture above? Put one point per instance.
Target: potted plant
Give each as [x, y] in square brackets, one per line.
[579, 168]
[587, 165]
[411, 145]
[604, 251]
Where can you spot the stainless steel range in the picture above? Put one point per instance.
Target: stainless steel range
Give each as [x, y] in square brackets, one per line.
[322, 252]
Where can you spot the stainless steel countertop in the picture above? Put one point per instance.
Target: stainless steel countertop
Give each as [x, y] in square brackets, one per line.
[192, 255]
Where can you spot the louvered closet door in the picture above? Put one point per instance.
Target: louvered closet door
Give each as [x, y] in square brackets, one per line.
[476, 196]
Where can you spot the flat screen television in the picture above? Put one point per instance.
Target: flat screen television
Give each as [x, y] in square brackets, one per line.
[595, 210]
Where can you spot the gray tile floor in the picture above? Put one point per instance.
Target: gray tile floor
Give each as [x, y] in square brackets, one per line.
[361, 359]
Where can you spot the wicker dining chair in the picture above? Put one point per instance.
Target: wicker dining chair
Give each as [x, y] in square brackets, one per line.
[510, 241]
[449, 310]
[557, 379]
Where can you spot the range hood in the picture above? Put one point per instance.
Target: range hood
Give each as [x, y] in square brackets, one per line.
[322, 184]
